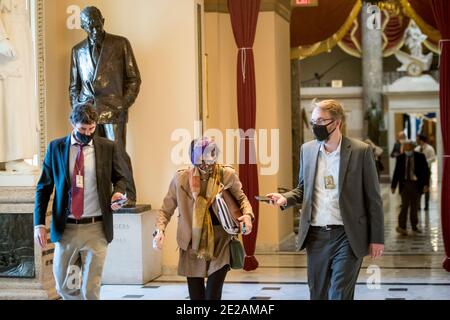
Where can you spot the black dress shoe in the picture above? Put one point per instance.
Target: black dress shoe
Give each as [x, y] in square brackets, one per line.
[130, 204]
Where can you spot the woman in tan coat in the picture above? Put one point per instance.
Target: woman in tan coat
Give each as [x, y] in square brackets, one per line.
[204, 244]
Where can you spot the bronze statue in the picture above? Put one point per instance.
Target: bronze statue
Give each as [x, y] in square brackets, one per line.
[374, 120]
[104, 72]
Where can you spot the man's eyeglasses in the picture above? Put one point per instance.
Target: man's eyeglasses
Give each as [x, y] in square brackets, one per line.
[321, 122]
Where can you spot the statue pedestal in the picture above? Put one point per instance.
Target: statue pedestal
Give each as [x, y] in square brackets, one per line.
[14, 179]
[25, 269]
[131, 258]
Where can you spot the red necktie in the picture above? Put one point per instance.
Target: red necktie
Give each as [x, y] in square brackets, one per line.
[77, 205]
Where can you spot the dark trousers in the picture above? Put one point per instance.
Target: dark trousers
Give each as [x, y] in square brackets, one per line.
[410, 201]
[427, 198]
[118, 133]
[214, 286]
[333, 268]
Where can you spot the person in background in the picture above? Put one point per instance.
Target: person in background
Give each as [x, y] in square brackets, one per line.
[430, 155]
[397, 150]
[411, 175]
[204, 244]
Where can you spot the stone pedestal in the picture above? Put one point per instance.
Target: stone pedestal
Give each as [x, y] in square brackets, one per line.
[35, 265]
[131, 258]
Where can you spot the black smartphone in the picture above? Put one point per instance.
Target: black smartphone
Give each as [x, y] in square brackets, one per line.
[263, 199]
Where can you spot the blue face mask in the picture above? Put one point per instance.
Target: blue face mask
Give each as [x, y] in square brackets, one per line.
[409, 153]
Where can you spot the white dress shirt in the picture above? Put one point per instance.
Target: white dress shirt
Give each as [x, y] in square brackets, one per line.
[429, 153]
[91, 202]
[325, 204]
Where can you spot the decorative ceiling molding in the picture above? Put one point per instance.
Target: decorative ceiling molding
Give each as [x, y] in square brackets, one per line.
[281, 7]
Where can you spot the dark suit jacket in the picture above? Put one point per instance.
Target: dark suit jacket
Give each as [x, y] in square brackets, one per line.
[421, 170]
[55, 175]
[359, 194]
[113, 84]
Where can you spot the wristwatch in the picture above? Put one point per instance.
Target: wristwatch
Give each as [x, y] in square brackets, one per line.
[251, 215]
[156, 232]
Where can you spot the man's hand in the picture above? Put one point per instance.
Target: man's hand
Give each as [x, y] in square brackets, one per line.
[158, 240]
[118, 197]
[277, 199]
[7, 49]
[426, 189]
[40, 236]
[376, 250]
[393, 191]
[247, 220]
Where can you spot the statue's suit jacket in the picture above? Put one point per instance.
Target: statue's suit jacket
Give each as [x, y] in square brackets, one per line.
[359, 194]
[113, 84]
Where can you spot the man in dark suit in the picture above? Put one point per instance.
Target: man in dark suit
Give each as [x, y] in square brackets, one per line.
[412, 175]
[86, 173]
[104, 71]
[342, 211]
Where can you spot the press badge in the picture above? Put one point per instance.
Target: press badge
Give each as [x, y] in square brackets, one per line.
[80, 182]
[329, 182]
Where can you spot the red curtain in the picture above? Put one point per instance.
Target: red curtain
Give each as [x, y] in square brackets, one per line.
[310, 25]
[244, 18]
[424, 10]
[441, 12]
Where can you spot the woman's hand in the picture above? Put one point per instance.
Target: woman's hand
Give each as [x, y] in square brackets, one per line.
[158, 240]
[246, 224]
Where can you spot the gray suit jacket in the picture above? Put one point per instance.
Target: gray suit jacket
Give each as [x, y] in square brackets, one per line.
[359, 194]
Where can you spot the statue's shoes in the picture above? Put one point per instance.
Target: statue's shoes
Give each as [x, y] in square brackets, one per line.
[130, 204]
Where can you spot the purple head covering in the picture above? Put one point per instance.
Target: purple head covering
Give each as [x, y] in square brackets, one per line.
[204, 149]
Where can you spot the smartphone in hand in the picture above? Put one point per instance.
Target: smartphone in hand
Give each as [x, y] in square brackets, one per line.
[263, 199]
[120, 202]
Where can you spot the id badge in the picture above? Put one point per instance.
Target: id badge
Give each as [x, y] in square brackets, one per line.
[329, 182]
[80, 182]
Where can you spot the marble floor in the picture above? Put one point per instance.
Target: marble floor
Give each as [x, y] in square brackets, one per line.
[409, 270]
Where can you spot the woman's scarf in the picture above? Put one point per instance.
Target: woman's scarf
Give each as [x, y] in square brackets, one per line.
[202, 227]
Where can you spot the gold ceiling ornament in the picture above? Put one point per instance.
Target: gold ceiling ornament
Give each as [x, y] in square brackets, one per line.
[391, 6]
[326, 45]
[356, 52]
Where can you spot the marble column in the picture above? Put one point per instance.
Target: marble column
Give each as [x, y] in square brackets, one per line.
[372, 57]
[372, 77]
[297, 128]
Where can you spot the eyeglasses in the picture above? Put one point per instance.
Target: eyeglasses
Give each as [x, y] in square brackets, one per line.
[321, 122]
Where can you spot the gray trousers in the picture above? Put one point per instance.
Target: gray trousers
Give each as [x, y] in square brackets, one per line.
[333, 268]
[78, 261]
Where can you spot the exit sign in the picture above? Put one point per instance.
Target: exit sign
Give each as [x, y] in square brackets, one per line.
[305, 3]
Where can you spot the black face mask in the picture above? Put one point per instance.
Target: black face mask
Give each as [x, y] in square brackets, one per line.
[84, 139]
[321, 132]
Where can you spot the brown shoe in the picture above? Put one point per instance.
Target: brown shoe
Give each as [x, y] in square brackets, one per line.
[402, 231]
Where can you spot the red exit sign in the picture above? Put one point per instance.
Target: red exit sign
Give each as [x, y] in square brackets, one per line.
[305, 3]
